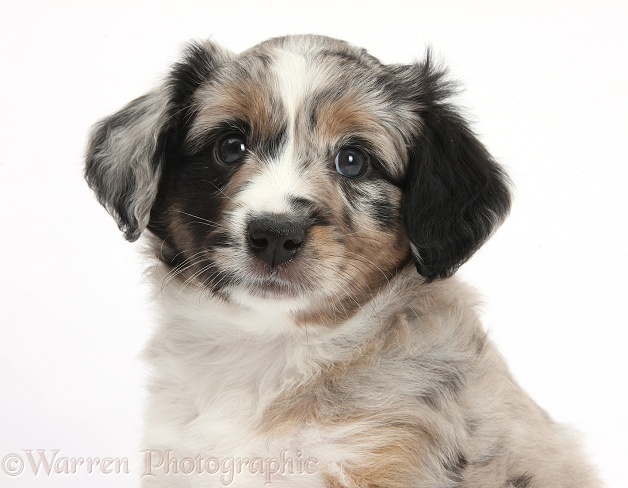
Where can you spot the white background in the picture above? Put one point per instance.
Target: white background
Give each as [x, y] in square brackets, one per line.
[546, 88]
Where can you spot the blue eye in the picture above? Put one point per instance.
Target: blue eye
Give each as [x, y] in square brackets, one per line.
[351, 162]
[231, 149]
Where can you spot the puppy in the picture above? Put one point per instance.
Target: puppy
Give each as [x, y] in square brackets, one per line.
[306, 207]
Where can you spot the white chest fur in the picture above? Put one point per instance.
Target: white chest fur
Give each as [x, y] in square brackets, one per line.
[217, 368]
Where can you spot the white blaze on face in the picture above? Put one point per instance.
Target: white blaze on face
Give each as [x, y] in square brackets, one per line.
[268, 192]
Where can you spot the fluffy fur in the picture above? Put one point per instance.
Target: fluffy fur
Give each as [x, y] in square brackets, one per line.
[307, 206]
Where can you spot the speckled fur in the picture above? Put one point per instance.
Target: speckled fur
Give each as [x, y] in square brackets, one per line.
[361, 358]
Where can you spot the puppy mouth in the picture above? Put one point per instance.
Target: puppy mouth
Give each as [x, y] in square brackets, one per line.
[283, 279]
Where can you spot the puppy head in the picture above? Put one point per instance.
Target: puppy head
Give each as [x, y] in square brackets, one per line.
[301, 168]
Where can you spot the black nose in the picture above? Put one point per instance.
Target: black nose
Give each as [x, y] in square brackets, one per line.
[275, 239]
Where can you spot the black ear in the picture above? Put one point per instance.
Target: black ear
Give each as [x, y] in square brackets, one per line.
[455, 193]
[126, 151]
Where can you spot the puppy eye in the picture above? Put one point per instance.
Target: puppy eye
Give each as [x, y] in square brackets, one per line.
[351, 162]
[231, 149]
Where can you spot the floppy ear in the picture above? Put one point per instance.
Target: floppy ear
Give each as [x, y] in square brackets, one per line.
[126, 151]
[455, 193]
[125, 158]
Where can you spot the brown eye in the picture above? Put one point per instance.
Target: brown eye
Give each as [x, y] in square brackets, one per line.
[351, 162]
[231, 149]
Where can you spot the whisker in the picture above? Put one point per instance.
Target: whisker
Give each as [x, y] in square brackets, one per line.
[203, 220]
[183, 265]
[191, 278]
[238, 204]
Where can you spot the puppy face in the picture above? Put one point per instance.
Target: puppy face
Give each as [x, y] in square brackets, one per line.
[286, 180]
[301, 170]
